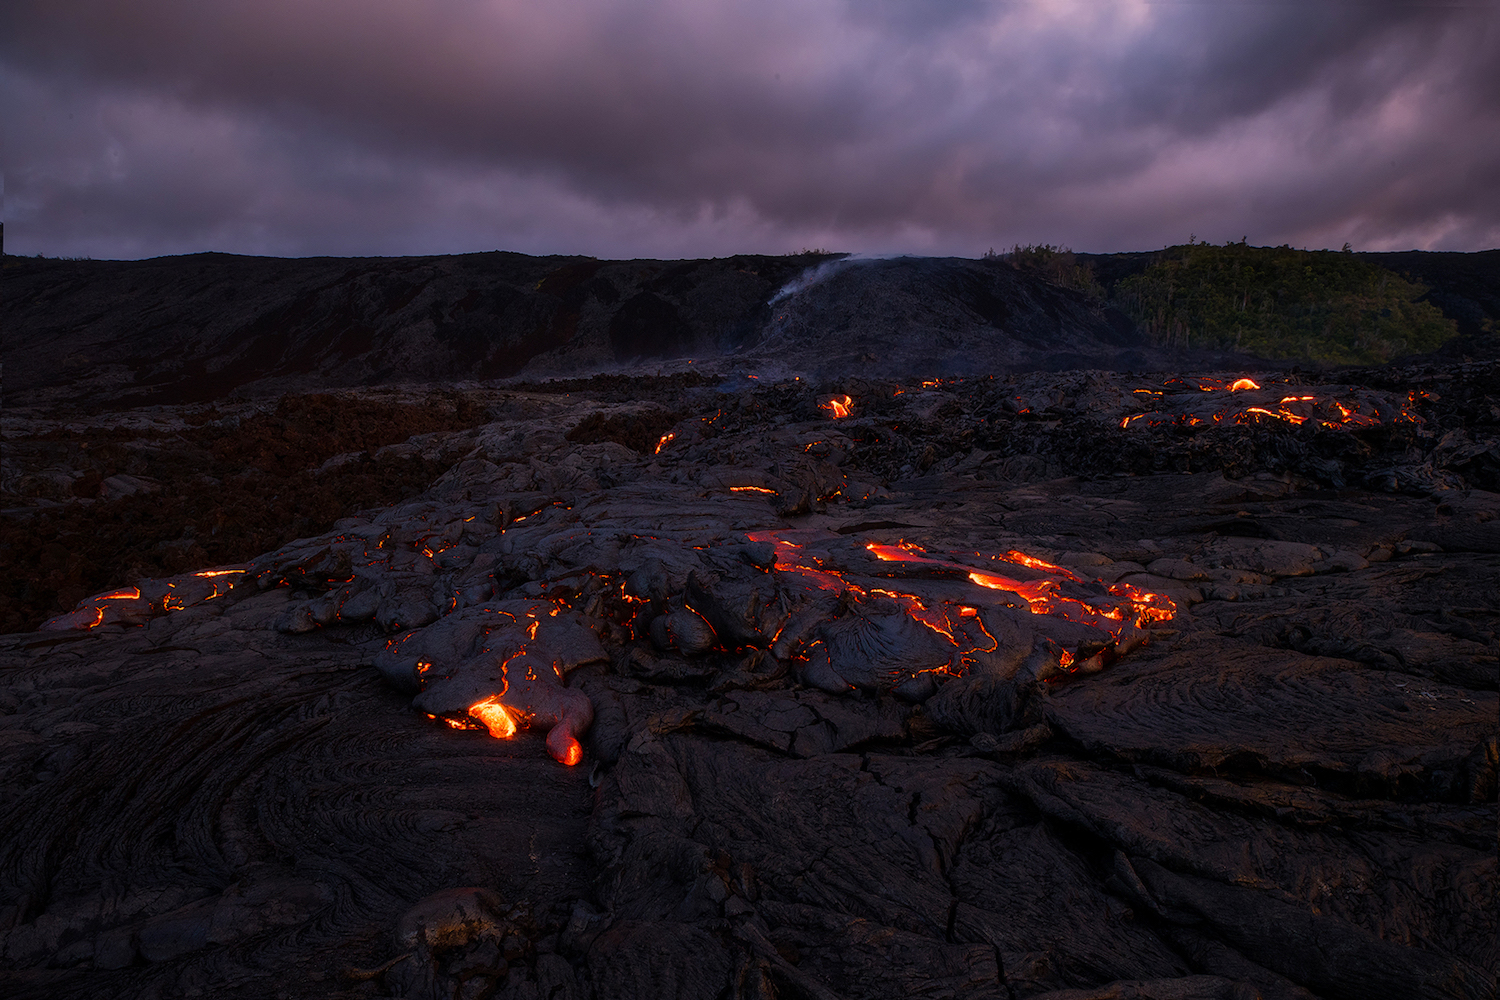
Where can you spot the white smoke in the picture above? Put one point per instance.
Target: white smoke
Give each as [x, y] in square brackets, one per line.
[812, 276]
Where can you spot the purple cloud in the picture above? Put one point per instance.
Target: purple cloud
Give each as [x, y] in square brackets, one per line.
[675, 128]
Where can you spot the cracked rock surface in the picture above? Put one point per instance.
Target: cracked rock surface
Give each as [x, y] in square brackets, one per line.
[982, 690]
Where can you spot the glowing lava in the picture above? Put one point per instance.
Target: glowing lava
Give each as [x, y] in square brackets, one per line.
[149, 599]
[501, 665]
[1336, 409]
[1043, 597]
[1119, 612]
[838, 406]
[500, 721]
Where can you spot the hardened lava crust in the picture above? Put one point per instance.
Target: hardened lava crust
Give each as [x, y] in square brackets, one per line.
[1070, 685]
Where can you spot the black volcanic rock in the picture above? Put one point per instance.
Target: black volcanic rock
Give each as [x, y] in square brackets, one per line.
[1025, 685]
[197, 328]
[943, 316]
[1465, 286]
[183, 329]
[200, 327]
[1281, 786]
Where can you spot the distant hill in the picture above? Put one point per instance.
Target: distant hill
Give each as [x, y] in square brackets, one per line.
[199, 327]
[1352, 307]
[195, 328]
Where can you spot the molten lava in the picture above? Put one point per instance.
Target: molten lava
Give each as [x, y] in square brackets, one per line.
[571, 752]
[792, 558]
[838, 406]
[502, 666]
[1118, 612]
[1336, 409]
[501, 721]
[1043, 597]
[149, 599]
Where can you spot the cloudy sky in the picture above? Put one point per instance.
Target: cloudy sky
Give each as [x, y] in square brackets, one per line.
[672, 128]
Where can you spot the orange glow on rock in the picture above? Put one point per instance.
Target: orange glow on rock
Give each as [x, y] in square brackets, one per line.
[1032, 562]
[839, 406]
[1032, 592]
[564, 746]
[1043, 597]
[497, 718]
[791, 559]
[1322, 411]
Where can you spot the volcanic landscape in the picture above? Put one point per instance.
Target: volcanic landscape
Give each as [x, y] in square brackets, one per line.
[498, 626]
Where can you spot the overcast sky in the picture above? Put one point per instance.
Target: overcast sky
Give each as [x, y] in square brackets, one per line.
[677, 128]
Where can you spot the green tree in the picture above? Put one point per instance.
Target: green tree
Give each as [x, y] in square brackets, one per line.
[1277, 302]
[1058, 265]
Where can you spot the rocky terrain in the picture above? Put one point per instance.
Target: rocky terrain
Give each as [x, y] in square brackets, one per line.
[113, 334]
[1065, 684]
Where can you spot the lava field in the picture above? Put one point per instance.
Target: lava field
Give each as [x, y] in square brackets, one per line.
[1068, 685]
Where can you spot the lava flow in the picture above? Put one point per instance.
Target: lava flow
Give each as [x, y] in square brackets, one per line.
[148, 599]
[1339, 408]
[845, 614]
[1043, 596]
[838, 406]
[1113, 617]
[501, 665]
[499, 720]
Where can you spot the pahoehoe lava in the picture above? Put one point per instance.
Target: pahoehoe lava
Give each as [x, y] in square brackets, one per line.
[1075, 685]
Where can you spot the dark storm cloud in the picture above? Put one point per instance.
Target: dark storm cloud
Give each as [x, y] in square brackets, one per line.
[677, 127]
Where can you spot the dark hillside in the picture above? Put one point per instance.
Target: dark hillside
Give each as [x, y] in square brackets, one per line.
[1465, 286]
[200, 327]
[948, 316]
[195, 328]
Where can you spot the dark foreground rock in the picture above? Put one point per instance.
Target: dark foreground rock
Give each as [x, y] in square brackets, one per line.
[973, 692]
